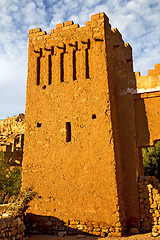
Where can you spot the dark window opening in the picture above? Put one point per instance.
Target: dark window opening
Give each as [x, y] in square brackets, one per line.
[129, 60]
[44, 87]
[93, 116]
[74, 65]
[68, 132]
[87, 64]
[62, 67]
[49, 69]
[38, 71]
[88, 43]
[52, 50]
[39, 125]
[116, 46]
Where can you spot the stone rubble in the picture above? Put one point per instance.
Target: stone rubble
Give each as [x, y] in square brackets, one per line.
[53, 226]
[11, 228]
[149, 202]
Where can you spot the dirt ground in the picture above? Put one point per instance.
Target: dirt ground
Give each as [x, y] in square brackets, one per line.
[51, 237]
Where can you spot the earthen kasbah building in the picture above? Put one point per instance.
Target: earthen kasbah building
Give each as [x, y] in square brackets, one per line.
[12, 138]
[85, 128]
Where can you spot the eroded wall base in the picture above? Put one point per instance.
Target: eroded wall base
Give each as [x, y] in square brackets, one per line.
[51, 225]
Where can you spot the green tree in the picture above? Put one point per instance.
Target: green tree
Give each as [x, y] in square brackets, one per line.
[10, 180]
[151, 160]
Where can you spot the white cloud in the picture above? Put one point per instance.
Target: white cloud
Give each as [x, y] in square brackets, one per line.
[137, 20]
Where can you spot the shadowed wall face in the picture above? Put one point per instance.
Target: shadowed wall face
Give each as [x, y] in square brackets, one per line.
[146, 107]
[147, 114]
[74, 153]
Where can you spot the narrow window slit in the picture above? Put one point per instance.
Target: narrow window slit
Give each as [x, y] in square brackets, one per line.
[87, 64]
[62, 67]
[52, 50]
[89, 44]
[68, 132]
[74, 66]
[38, 70]
[49, 69]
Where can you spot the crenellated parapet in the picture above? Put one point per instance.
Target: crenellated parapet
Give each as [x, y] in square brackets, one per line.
[119, 43]
[68, 52]
[148, 83]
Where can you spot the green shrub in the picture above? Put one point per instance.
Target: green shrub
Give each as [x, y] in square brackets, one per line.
[10, 180]
[18, 205]
[151, 160]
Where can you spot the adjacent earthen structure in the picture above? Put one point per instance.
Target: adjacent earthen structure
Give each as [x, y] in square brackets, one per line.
[148, 83]
[81, 155]
[12, 138]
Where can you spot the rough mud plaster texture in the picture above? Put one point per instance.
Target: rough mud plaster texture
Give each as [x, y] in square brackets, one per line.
[79, 140]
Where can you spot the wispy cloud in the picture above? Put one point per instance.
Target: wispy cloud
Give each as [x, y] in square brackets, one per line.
[137, 20]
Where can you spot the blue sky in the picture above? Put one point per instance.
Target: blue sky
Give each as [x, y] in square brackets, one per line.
[137, 20]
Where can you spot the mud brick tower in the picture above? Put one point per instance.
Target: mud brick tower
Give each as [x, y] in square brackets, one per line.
[79, 142]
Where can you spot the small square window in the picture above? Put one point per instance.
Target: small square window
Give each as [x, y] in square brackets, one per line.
[39, 125]
[93, 116]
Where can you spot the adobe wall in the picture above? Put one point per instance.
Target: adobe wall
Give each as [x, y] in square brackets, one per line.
[79, 117]
[149, 83]
[122, 86]
[147, 107]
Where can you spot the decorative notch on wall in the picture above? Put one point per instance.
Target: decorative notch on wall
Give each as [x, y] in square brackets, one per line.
[74, 45]
[39, 125]
[51, 51]
[44, 87]
[61, 49]
[62, 67]
[74, 66]
[39, 65]
[87, 57]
